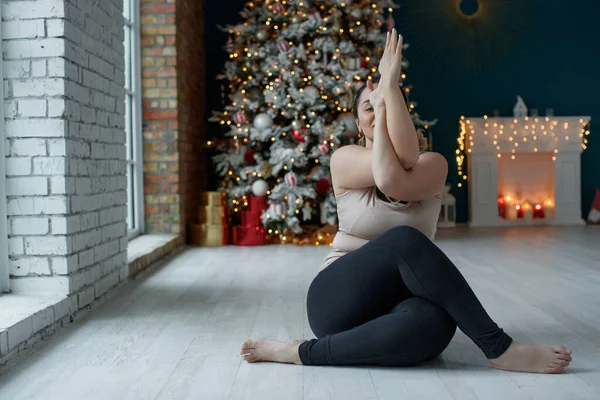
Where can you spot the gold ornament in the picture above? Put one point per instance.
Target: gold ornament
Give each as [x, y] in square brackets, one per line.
[266, 169]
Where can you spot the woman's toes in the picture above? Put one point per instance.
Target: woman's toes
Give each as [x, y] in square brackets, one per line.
[249, 358]
[561, 350]
[565, 357]
[562, 363]
[247, 345]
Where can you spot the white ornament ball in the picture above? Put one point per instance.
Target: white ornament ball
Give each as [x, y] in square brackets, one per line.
[311, 91]
[263, 121]
[349, 123]
[262, 35]
[259, 188]
[297, 124]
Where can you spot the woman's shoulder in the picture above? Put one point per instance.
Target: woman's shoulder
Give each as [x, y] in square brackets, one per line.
[433, 157]
[348, 150]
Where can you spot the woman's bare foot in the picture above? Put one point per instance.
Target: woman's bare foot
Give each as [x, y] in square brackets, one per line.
[257, 350]
[530, 358]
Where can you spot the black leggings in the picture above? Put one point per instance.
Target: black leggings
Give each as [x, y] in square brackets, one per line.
[396, 301]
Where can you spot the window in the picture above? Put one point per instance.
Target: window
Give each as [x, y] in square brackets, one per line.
[4, 281]
[133, 119]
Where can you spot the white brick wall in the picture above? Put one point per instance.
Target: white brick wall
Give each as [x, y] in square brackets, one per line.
[64, 126]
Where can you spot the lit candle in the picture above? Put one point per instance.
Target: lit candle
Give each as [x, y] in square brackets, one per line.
[519, 211]
[538, 211]
[501, 207]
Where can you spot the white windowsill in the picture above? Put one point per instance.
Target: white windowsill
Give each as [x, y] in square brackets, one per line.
[146, 244]
[21, 315]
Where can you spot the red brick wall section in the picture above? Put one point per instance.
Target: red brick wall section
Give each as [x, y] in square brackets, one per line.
[173, 123]
[191, 106]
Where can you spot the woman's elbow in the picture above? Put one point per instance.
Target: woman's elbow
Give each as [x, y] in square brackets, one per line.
[386, 182]
[408, 161]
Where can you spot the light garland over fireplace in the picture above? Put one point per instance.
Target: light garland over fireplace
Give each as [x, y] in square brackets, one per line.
[510, 135]
[522, 170]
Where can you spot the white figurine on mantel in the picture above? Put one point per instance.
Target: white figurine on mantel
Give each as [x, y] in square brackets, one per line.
[520, 109]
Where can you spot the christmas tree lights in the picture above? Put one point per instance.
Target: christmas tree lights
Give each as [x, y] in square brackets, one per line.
[292, 70]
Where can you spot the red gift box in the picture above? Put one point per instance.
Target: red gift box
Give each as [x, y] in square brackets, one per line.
[248, 236]
[251, 231]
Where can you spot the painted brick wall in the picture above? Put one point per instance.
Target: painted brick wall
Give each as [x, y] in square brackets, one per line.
[173, 111]
[64, 102]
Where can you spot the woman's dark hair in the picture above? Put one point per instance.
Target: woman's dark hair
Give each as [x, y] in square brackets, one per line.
[361, 138]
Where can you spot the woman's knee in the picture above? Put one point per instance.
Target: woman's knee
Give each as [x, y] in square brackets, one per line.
[404, 234]
[435, 327]
[440, 328]
[324, 318]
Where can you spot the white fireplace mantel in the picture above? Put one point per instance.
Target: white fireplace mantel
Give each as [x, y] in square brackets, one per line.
[486, 141]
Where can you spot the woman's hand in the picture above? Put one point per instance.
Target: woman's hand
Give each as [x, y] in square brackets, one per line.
[390, 66]
[375, 96]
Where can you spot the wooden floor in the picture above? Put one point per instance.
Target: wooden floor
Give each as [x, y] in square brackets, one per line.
[175, 333]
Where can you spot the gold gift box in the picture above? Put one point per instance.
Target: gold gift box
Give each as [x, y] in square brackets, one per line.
[209, 235]
[212, 199]
[212, 228]
[211, 215]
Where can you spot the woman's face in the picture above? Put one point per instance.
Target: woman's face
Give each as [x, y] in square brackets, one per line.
[366, 115]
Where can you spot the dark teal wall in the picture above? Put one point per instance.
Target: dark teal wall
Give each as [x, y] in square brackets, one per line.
[547, 52]
[551, 57]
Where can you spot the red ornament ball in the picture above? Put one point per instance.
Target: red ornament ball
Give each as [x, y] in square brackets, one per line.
[249, 157]
[322, 186]
[298, 136]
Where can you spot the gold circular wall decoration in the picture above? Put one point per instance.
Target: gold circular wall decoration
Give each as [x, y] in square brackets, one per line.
[466, 37]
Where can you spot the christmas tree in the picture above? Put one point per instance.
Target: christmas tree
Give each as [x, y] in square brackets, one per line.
[293, 67]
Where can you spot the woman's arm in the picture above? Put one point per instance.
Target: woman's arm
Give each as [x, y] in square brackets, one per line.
[401, 129]
[358, 167]
[384, 160]
[400, 126]
[351, 168]
[424, 180]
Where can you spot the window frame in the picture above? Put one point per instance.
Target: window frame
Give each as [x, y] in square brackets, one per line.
[4, 266]
[134, 137]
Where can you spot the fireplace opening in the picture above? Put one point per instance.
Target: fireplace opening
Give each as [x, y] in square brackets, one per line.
[526, 186]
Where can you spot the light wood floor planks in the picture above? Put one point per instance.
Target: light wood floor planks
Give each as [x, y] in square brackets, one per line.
[175, 333]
